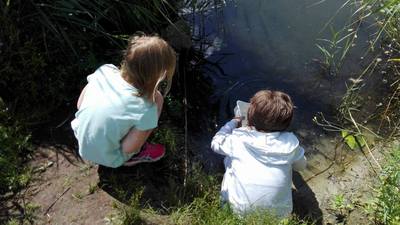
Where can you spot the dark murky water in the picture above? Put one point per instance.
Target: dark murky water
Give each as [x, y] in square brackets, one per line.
[272, 44]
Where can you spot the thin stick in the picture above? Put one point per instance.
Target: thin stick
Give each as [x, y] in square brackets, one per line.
[387, 109]
[186, 128]
[52, 204]
[366, 144]
[320, 172]
[327, 168]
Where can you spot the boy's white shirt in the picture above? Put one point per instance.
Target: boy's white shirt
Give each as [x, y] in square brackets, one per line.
[258, 168]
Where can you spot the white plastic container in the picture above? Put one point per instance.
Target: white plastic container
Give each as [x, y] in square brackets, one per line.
[240, 110]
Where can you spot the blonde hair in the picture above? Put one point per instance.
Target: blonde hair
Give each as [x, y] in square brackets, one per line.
[146, 62]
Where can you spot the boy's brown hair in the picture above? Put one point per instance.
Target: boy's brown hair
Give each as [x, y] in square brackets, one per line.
[270, 111]
[146, 61]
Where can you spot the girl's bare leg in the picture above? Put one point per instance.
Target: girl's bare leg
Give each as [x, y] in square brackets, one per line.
[134, 140]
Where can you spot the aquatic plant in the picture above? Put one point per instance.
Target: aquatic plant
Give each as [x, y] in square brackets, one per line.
[384, 208]
[385, 45]
[335, 50]
[337, 47]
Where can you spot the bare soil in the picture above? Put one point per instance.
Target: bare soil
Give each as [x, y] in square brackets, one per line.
[68, 193]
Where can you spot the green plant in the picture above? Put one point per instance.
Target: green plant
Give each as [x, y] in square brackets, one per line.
[386, 205]
[341, 207]
[336, 48]
[166, 136]
[78, 195]
[92, 188]
[353, 140]
[48, 47]
[208, 210]
[128, 214]
[386, 14]
[14, 151]
[340, 203]
[28, 217]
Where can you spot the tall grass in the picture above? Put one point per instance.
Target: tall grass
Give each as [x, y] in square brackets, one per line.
[14, 151]
[385, 208]
[48, 47]
[385, 43]
[385, 46]
[208, 210]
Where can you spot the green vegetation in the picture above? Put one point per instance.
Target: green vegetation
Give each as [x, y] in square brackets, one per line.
[47, 48]
[204, 209]
[175, 190]
[386, 45]
[14, 152]
[30, 214]
[208, 210]
[385, 208]
[361, 129]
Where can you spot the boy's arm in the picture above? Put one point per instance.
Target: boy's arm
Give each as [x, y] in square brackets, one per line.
[219, 143]
[300, 161]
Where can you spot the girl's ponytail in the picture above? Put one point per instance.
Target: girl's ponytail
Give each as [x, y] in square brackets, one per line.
[147, 60]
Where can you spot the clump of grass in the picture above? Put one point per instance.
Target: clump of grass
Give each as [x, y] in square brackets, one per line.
[386, 206]
[167, 137]
[128, 214]
[92, 188]
[341, 207]
[29, 215]
[208, 210]
[14, 151]
[353, 113]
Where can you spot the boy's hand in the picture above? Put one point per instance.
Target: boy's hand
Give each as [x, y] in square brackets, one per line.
[239, 120]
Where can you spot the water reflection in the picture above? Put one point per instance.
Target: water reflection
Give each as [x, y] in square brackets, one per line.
[272, 44]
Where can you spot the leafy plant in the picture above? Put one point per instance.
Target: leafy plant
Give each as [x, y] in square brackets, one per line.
[353, 140]
[128, 214]
[341, 207]
[48, 47]
[14, 151]
[386, 205]
[208, 210]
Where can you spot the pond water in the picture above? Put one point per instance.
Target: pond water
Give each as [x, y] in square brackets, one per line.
[261, 44]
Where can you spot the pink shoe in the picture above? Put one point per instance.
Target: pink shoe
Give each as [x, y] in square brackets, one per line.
[148, 153]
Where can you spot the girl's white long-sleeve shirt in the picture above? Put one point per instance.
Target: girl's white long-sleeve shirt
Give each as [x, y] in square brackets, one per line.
[258, 168]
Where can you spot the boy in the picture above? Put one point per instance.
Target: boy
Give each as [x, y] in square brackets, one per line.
[260, 157]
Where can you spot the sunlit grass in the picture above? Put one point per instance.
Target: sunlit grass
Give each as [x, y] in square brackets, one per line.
[385, 208]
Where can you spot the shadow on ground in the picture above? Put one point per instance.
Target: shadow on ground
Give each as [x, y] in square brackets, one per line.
[155, 184]
[305, 204]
